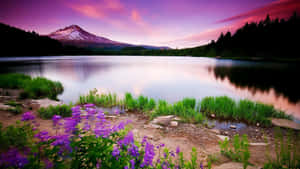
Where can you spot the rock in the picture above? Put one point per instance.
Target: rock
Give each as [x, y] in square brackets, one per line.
[285, 123]
[46, 102]
[234, 165]
[177, 118]
[226, 132]
[232, 126]
[258, 144]
[213, 115]
[256, 130]
[222, 137]
[174, 123]
[257, 124]
[216, 131]
[153, 126]
[163, 120]
[5, 107]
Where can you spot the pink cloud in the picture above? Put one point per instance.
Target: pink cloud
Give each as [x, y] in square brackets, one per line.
[279, 8]
[88, 10]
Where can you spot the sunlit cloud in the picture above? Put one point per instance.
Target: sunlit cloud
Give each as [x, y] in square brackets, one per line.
[277, 9]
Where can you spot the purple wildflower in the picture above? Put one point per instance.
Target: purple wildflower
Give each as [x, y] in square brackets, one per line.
[70, 125]
[177, 150]
[201, 166]
[144, 140]
[89, 105]
[133, 150]
[132, 163]
[149, 155]
[13, 158]
[56, 119]
[43, 136]
[63, 141]
[126, 167]
[127, 140]
[116, 152]
[27, 116]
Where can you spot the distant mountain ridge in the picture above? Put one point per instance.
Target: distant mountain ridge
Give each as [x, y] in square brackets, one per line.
[76, 36]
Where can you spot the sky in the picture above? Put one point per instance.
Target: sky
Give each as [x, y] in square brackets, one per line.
[173, 23]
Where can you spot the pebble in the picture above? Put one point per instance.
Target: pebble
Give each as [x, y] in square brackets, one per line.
[174, 123]
[232, 126]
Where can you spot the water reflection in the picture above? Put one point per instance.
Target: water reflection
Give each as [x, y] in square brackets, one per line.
[282, 78]
[170, 78]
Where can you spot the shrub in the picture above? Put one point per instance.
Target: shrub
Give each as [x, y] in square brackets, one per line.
[38, 87]
[62, 110]
[239, 152]
[13, 80]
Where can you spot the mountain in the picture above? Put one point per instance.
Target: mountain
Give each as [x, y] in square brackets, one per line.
[76, 36]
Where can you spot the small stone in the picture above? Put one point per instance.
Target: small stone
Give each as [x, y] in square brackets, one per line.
[232, 126]
[257, 124]
[226, 133]
[174, 123]
[213, 115]
[216, 131]
[176, 118]
[258, 144]
[154, 126]
[222, 137]
[111, 117]
[256, 130]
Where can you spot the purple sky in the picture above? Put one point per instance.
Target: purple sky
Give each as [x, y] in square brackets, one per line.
[175, 23]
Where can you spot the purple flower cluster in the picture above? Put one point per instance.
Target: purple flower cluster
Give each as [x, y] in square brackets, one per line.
[149, 155]
[27, 116]
[43, 136]
[63, 141]
[56, 119]
[13, 158]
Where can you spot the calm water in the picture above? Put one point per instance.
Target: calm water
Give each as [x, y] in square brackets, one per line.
[170, 78]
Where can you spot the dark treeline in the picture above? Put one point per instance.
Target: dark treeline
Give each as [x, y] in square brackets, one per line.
[267, 39]
[16, 42]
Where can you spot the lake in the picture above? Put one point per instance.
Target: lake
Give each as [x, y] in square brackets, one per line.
[170, 78]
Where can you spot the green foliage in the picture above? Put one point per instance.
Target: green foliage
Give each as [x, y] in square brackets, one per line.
[62, 110]
[13, 80]
[16, 110]
[245, 110]
[287, 154]
[41, 87]
[236, 150]
[38, 87]
[186, 109]
[18, 135]
[103, 100]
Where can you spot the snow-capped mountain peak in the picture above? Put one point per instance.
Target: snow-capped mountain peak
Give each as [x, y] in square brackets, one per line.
[76, 33]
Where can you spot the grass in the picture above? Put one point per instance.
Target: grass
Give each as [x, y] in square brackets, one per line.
[189, 109]
[103, 100]
[186, 109]
[38, 87]
[242, 110]
[237, 149]
[286, 148]
[62, 110]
